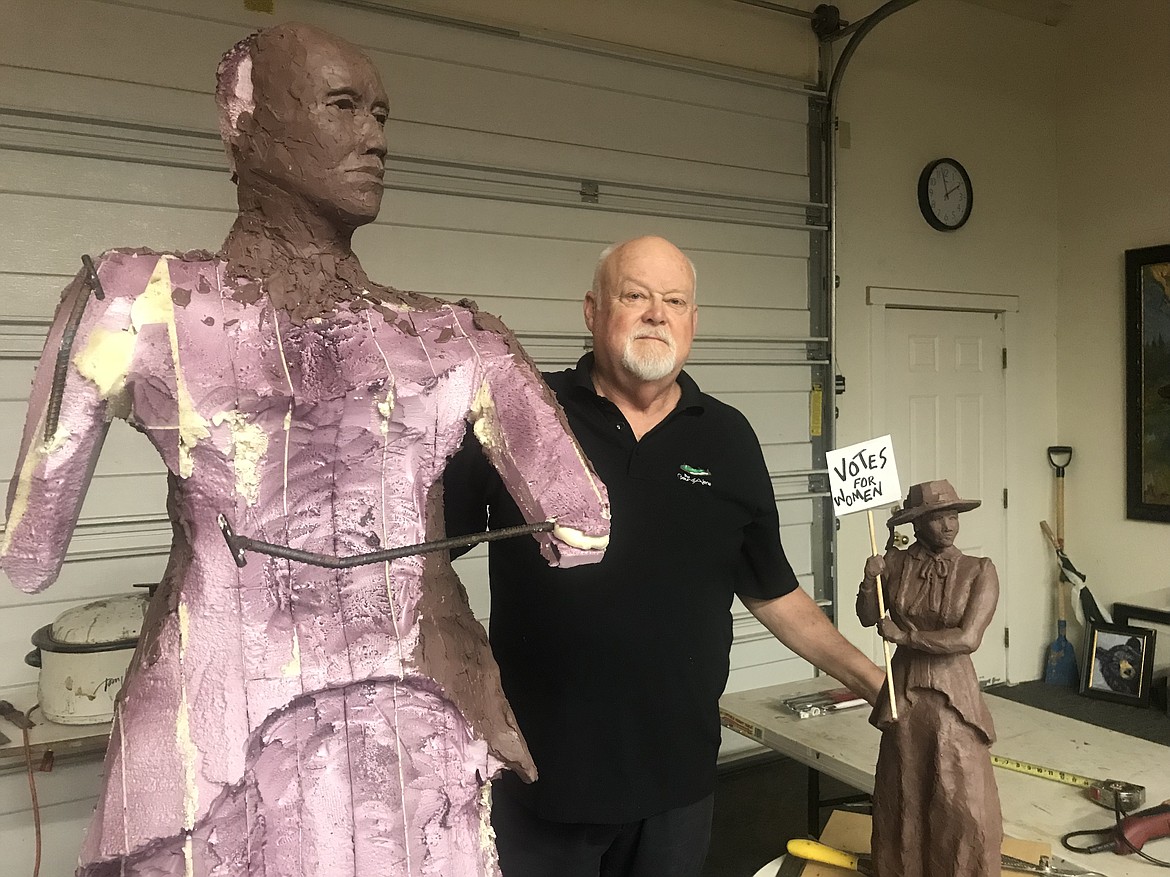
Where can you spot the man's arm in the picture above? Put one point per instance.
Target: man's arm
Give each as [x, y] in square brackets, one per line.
[799, 623]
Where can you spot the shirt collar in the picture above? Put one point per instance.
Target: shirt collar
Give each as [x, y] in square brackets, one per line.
[581, 378]
[920, 552]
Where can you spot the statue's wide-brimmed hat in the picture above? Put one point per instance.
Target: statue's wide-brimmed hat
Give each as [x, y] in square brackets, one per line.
[930, 497]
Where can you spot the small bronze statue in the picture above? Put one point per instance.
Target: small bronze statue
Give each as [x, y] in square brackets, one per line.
[935, 803]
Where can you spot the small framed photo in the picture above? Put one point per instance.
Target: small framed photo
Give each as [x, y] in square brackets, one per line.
[1118, 663]
[1157, 620]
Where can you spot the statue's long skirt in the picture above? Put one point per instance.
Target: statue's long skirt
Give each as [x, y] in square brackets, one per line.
[936, 808]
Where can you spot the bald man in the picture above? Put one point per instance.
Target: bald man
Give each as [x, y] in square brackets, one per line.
[615, 671]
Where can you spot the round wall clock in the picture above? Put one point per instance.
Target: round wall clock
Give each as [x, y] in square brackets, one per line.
[944, 194]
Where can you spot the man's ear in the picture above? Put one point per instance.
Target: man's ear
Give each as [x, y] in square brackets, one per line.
[590, 308]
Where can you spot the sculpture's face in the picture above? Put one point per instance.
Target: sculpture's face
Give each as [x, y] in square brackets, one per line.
[317, 129]
[645, 316]
[938, 530]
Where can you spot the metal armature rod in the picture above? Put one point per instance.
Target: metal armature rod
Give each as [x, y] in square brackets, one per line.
[65, 348]
[241, 544]
[91, 275]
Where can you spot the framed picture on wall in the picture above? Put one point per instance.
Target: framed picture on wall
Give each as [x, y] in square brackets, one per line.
[1118, 663]
[1147, 391]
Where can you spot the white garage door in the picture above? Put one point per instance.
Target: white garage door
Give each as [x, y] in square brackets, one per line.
[513, 163]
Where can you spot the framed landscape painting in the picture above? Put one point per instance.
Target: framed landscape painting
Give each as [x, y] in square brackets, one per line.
[1147, 403]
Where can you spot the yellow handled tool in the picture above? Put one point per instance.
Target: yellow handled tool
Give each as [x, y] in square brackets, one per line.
[818, 852]
[862, 863]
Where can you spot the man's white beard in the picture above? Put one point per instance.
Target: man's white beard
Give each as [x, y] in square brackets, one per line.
[649, 362]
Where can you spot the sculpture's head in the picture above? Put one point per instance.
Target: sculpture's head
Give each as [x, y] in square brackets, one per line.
[302, 115]
[933, 507]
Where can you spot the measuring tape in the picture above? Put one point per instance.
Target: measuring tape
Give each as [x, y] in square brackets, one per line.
[1107, 793]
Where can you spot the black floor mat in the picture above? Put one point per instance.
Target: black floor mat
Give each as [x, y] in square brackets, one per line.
[1146, 723]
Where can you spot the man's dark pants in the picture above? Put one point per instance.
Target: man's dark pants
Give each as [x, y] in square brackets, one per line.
[670, 844]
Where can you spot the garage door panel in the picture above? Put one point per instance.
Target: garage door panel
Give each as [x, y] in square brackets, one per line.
[49, 234]
[79, 178]
[96, 97]
[125, 450]
[774, 415]
[794, 456]
[500, 149]
[134, 76]
[118, 183]
[753, 281]
[554, 110]
[752, 92]
[129, 44]
[720, 379]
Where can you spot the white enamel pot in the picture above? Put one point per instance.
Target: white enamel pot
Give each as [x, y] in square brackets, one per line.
[83, 657]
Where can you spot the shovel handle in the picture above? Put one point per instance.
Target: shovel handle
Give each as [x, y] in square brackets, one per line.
[1061, 595]
[1060, 508]
[1059, 456]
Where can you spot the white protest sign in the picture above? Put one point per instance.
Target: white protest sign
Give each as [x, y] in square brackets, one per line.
[863, 476]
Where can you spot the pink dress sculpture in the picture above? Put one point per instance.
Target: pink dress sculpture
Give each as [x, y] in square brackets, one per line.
[282, 719]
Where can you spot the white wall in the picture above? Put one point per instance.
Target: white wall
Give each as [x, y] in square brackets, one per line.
[1066, 135]
[1113, 162]
[944, 78]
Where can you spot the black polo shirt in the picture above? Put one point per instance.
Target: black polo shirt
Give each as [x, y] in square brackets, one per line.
[615, 669]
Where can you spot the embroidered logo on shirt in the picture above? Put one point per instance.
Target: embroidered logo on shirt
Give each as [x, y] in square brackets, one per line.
[694, 475]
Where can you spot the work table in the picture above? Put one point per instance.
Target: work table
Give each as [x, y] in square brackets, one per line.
[844, 745]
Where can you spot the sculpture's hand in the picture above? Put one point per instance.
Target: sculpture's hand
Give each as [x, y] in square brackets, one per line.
[874, 567]
[891, 632]
[577, 539]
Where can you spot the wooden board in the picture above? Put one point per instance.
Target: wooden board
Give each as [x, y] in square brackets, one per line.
[850, 831]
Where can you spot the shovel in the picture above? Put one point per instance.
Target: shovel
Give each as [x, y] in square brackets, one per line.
[1060, 665]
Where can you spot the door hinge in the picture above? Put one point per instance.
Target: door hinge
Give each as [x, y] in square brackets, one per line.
[1007, 636]
[1004, 357]
[1005, 497]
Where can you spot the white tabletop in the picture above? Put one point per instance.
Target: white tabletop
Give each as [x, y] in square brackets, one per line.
[844, 746]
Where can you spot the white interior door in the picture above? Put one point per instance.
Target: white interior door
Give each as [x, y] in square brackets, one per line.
[945, 402]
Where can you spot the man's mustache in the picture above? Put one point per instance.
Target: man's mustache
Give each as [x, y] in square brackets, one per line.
[658, 334]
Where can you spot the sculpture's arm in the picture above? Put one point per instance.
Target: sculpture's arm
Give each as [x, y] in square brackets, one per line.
[526, 437]
[867, 602]
[51, 478]
[964, 639]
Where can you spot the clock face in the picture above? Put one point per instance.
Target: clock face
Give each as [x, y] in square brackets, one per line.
[944, 194]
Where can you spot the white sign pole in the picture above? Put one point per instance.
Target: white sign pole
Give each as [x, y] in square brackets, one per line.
[863, 476]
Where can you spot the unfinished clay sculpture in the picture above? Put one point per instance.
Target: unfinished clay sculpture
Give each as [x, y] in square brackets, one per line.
[935, 803]
[282, 718]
